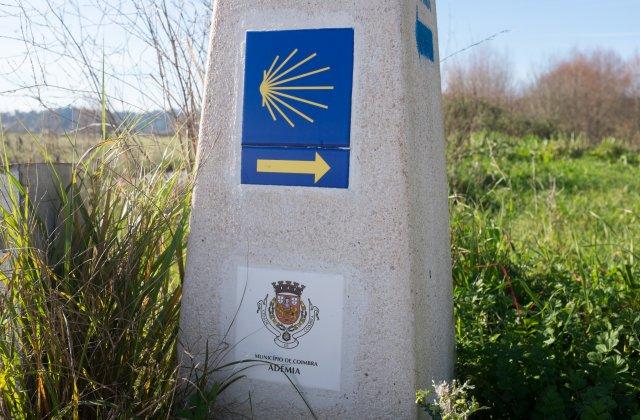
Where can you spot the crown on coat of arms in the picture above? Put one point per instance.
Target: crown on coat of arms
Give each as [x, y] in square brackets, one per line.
[288, 287]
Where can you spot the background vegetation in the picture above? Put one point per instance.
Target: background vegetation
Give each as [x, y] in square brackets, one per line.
[89, 308]
[545, 219]
[593, 94]
[545, 209]
[547, 279]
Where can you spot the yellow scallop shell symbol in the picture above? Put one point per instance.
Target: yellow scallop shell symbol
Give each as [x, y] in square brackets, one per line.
[273, 88]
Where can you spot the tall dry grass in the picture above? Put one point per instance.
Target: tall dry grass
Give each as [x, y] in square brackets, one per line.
[89, 308]
[90, 317]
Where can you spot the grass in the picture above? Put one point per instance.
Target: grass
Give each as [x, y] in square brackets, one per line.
[89, 311]
[28, 147]
[547, 284]
[90, 314]
[547, 280]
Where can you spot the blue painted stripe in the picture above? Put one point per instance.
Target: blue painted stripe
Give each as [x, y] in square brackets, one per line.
[427, 3]
[424, 40]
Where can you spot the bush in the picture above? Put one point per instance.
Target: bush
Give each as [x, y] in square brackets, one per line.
[589, 94]
[466, 115]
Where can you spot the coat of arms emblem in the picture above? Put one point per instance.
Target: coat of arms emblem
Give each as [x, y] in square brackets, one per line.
[286, 315]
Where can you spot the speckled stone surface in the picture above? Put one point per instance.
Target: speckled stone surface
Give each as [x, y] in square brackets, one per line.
[387, 234]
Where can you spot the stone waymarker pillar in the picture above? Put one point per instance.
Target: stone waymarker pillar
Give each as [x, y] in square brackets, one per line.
[41, 183]
[319, 238]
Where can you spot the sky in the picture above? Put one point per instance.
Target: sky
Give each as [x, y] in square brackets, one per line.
[539, 30]
[529, 33]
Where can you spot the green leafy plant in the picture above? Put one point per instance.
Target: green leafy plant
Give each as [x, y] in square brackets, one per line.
[546, 277]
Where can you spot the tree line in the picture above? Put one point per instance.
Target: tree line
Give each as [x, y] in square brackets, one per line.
[88, 120]
[591, 94]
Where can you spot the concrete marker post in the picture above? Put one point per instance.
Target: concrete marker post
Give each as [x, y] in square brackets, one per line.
[42, 182]
[319, 235]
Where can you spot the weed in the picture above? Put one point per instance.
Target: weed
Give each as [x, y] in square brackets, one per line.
[451, 401]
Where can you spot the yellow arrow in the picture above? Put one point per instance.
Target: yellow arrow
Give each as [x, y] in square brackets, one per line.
[318, 167]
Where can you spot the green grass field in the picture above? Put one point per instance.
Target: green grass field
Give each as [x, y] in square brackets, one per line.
[545, 267]
[27, 147]
[547, 280]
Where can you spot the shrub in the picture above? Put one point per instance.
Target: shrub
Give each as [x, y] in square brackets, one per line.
[466, 115]
[590, 93]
